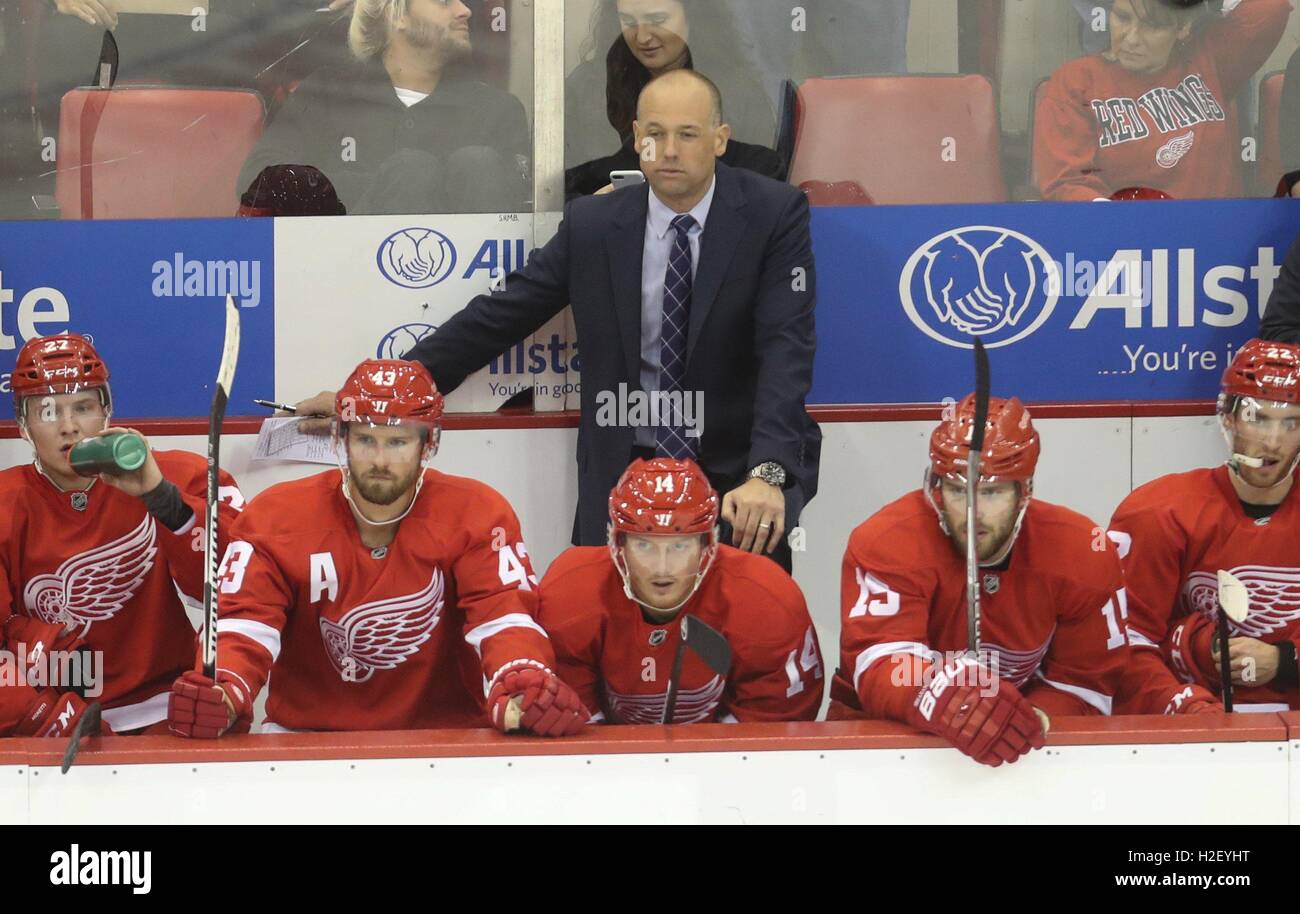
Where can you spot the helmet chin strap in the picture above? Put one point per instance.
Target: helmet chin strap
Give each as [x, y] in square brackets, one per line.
[928, 489]
[621, 564]
[1236, 461]
[347, 493]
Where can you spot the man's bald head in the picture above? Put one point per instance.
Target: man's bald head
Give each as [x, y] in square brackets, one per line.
[680, 89]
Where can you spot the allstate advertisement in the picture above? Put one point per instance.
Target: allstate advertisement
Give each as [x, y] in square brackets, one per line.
[373, 286]
[1075, 302]
[151, 296]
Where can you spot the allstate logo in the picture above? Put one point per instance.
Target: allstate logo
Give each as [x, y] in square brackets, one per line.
[979, 280]
[401, 340]
[416, 258]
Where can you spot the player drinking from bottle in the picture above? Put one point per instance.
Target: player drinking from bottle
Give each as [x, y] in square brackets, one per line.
[93, 563]
[383, 595]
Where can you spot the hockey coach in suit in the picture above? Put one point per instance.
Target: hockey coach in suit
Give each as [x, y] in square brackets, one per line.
[722, 254]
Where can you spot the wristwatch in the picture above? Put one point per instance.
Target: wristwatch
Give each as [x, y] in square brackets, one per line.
[770, 472]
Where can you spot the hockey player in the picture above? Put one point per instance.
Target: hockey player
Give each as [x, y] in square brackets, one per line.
[87, 565]
[614, 613]
[1177, 532]
[1052, 601]
[382, 595]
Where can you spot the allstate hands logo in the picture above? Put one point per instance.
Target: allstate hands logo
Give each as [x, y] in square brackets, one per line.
[416, 258]
[979, 280]
[401, 340]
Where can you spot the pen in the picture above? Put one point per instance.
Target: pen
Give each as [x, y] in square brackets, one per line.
[271, 404]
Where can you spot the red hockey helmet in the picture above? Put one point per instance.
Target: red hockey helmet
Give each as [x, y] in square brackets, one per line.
[1140, 193]
[1263, 370]
[62, 364]
[663, 497]
[387, 391]
[1011, 445]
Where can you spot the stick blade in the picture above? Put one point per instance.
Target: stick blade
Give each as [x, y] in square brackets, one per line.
[708, 644]
[87, 725]
[1233, 597]
[230, 351]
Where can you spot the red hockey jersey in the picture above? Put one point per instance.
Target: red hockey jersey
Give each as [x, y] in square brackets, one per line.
[621, 663]
[1175, 534]
[407, 636]
[1099, 128]
[110, 568]
[1052, 621]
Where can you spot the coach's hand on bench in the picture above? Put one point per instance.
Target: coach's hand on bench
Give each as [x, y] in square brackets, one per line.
[317, 413]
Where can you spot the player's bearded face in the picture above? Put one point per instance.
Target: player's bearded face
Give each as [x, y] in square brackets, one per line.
[439, 26]
[996, 508]
[384, 462]
[662, 569]
[58, 421]
[1269, 432]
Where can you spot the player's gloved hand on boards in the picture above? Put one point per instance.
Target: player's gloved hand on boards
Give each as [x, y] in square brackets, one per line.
[321, 405]
[991, 728]
[544, 704]
[1194, 699]
[201, 708]
[54, 714]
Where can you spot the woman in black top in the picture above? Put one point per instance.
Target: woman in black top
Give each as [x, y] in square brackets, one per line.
[644, 39]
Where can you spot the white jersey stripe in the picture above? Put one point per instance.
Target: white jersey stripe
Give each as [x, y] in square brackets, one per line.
[477, 635]
[1096, 699]
[260, 632]
[883, 650]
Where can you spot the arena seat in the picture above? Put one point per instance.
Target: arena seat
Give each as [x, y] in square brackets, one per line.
[888, 133]
[152, 152]
[1268, 165]
[837, 193]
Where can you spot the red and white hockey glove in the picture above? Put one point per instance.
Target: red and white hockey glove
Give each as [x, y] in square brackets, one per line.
[55, 714]
[197, 706]
[991, 728]
[1194, 700]
[545, 705]
[50, 636]
[1189, 650]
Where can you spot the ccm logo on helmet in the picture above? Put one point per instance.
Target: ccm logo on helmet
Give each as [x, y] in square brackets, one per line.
[1278, 380]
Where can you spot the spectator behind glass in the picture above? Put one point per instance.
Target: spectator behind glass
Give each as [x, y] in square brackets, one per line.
[647, 38]
[1155, 110]
[401, 129]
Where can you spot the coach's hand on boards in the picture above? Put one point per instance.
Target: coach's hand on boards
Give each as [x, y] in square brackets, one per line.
[94, 12]
[136, 482]
[317, 413]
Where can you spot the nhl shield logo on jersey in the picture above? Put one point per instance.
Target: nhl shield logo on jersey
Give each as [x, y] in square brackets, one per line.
[93, 586]
[991, 583]
[658, 637]
[382, 633]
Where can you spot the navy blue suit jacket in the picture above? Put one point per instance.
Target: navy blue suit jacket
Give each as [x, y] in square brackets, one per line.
[749, 345]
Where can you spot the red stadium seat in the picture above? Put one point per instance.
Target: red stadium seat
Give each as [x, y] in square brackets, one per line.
[890, 133]
[837, 193]
[1268, 165]
[149, 152]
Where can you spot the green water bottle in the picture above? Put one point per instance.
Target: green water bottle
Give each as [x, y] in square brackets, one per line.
[111, 454]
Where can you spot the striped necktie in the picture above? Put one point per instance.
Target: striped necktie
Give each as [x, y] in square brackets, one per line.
[670, 437]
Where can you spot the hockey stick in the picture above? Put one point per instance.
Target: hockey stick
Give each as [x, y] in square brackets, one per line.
[708, 644]
[972, 490]
[86, 725]
[1234, 604]
[225, 378]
